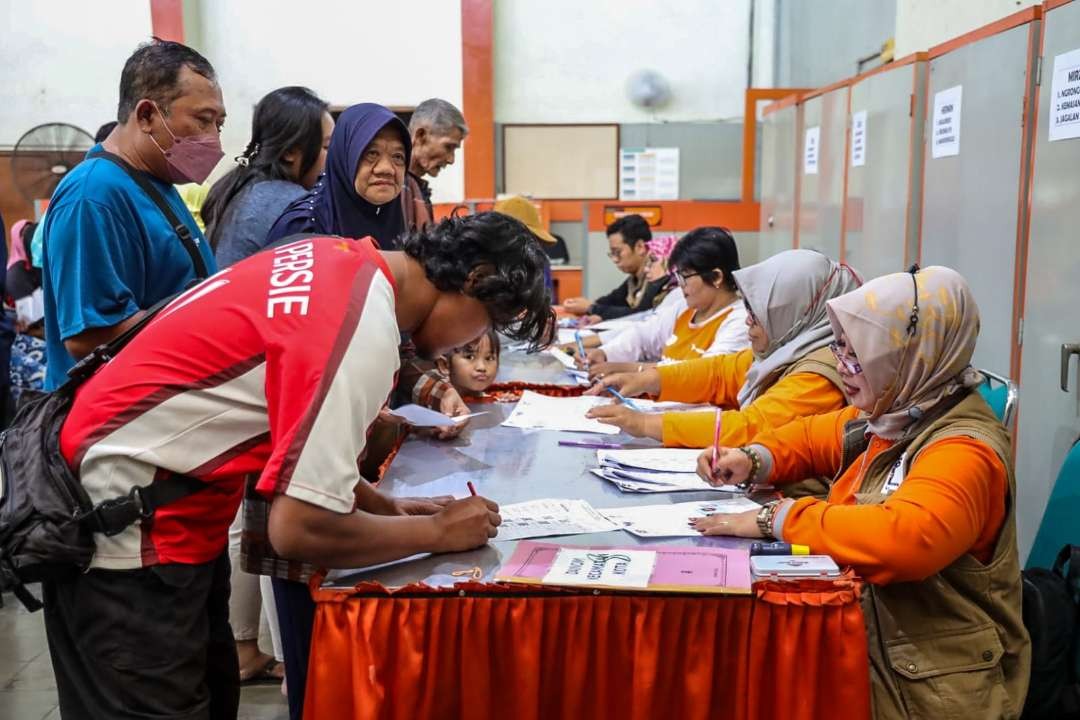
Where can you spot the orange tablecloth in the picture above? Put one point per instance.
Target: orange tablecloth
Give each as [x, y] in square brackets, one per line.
[792, 651]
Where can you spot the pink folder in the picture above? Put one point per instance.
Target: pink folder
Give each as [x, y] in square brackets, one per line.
[689, 569]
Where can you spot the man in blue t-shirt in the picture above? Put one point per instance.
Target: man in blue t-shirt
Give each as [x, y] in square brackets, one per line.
[109, 252]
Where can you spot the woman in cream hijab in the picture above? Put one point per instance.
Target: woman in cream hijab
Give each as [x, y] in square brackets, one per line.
[787, 372]
[922, 507]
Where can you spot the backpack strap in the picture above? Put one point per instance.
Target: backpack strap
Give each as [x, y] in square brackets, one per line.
[111, 517]
[182, 231]
[100, 355]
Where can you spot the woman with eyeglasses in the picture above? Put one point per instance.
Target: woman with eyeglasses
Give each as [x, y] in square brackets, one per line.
[922, 506]
[788, 372]
[713, 319]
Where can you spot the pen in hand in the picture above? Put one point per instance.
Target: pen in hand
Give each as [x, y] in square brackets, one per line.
[581, 349]
[624, 400]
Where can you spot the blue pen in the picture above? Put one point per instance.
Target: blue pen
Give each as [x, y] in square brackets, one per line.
[581, 348]
[624, 400]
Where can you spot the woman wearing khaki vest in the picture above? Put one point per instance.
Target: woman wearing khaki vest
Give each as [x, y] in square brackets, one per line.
[923, 502]
[787, 373]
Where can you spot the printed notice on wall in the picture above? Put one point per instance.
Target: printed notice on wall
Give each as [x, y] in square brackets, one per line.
[810, 150]
[1065, 97]
[858, 139]
[649, 174]
[945, 130]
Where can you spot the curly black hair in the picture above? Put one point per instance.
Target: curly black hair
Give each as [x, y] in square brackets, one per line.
[509, 265]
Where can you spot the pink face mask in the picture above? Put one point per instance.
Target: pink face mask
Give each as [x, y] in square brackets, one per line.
[191, 159]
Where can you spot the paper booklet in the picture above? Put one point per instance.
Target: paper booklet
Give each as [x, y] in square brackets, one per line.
[690, 569]
[645, 481]
[678, 460]
[543, 518]
[672, 520]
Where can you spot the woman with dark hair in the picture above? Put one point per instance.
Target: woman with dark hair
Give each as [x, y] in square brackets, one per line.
[714, 319]
[290, 132]
[369, 152]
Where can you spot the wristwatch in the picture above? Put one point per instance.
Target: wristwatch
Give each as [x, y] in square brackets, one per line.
[765, 518]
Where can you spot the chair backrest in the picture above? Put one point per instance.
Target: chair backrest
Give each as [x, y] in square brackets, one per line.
[1000, 394]
[1059, 527]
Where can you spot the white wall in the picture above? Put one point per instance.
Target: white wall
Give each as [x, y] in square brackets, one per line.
[921, 24]
[61, 61]
[564, 61]
[391, 53]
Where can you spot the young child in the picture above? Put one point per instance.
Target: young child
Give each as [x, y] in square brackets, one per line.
[472, 367]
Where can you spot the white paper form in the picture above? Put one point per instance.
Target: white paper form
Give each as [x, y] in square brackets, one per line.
[858, 138]
[565, 358]
[1065, 97]
[603, 568]
[614, 324]
[810, 150]
[945, 125]
[582, 376]
[420, 416]
[675, 460]
[542, 518]
[672, 520]
[540, 412]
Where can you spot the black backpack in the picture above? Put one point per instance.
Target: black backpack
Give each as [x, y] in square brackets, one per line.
[1051, 615]
[46, 518]
[47, 521]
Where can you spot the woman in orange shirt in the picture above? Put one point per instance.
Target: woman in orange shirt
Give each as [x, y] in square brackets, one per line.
[923, 503]
[713, 321]
[786, 373]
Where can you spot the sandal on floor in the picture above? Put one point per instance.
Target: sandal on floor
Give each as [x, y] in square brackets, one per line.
[271, 674]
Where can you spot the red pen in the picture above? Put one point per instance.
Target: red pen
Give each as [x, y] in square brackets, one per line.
[716, 441]
[472, 490]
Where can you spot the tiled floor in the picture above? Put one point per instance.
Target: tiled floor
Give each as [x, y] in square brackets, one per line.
[27, 688]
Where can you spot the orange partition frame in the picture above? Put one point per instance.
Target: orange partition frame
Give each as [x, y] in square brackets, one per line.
[906, 60]
[785, 102]
[1023, 200]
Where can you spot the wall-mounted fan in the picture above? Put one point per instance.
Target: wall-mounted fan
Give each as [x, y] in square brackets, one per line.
[44, 154]
[648, 89]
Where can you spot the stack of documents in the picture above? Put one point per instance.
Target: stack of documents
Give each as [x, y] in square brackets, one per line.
[654, 470]
[671, 520]
[582, 376]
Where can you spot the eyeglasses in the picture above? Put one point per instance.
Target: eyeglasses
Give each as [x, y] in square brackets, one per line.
[852, 366]
[680, 278]
[615, 254]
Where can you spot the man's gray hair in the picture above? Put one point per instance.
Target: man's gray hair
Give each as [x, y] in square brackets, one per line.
[438, 116]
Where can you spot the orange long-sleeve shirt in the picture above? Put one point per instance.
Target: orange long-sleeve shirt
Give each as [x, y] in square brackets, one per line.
[717, 380]
[951, 502]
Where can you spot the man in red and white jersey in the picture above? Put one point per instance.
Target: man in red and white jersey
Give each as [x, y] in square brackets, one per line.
[275, 366]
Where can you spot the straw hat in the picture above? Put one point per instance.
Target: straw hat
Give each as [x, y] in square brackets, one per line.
[522, 209]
